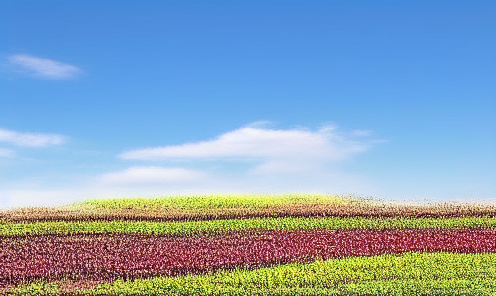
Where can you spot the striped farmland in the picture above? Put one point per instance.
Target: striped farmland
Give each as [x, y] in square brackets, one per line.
[248, 245]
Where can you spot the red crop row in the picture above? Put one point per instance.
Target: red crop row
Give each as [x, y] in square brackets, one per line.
[112, 256]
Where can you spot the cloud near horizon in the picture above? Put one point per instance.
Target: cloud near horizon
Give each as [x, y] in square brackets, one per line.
[279, 160]
[284, 151]
[31, 139]
[44, 68]
[151, 175]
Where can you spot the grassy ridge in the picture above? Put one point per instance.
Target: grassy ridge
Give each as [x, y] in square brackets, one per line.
[407, 274]
[216, 201]
[186, 228]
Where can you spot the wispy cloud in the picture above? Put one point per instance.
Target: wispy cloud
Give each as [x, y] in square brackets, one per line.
[44, 68]
[6, 153]
[30, 139]
[283, 150]
[152, 175]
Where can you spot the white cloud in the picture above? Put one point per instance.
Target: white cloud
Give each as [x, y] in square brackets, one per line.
[152, 175]
[255, 142]
[282, 150]
[6, 152]
[44, 68]
[30, 139]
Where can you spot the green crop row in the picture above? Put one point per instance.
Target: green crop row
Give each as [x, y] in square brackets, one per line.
[215, 201]
[406, 274]
[186, 228]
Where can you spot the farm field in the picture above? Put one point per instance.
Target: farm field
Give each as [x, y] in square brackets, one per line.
[248, 245]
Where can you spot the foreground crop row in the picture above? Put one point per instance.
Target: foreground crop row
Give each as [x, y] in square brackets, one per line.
[121, 256]
[187, 228]
[406, 274]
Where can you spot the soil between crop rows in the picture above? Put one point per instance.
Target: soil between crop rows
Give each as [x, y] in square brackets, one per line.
[109, 257]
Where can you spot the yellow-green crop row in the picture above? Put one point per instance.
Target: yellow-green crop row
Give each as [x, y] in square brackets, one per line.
[222, 226]
[406, 274]
[216, 201]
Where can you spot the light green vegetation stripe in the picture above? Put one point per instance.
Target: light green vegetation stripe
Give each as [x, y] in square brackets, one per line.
[222, 226]
[216, 201]
[407, 274]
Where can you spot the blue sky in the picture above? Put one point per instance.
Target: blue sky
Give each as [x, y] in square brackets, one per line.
[390, 99]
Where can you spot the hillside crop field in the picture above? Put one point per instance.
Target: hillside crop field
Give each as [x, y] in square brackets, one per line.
[292, 244]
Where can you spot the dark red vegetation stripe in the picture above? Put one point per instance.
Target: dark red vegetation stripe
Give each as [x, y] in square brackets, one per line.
[108, 257]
